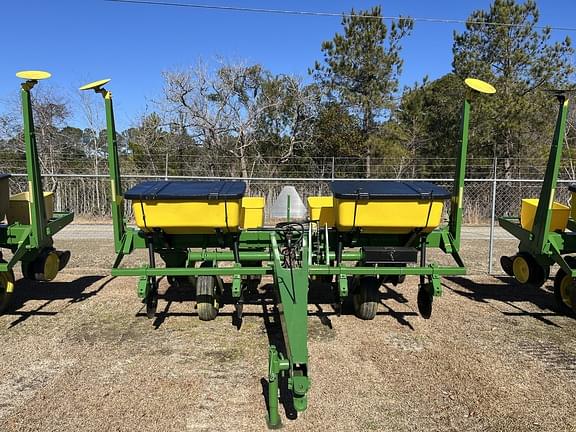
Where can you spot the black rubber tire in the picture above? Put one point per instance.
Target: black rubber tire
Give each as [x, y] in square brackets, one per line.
[564, 308]
[538, 274]
[27, 270]
[506, 264]
[64, 258]
[424, 301]
[205, 296]
[366, 297]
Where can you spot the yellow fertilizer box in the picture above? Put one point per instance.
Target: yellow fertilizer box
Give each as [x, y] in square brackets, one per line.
[321, 209]
[252, 212]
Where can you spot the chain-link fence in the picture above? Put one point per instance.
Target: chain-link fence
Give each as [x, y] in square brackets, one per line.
[89, 195]
[487, 194]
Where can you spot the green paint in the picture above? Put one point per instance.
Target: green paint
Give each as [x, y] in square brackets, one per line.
[455, 222]
[543, 215]
[37, 210]
[114, 170]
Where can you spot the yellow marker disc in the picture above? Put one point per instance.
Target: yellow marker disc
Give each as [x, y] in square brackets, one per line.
[33, 75]
[95, 84]
[480, 86]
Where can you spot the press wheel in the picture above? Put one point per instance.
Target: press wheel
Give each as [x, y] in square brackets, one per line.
[506, 264]
[366, 297]
[206, 299]
[6, 289]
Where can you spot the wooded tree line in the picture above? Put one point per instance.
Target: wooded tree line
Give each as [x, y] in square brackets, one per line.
[237, 119]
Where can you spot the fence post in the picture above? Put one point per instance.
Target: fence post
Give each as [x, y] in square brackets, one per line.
[166, 168]
[333, 167]
[492, 218]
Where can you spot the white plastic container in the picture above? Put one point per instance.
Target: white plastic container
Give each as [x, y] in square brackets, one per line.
[288, 206]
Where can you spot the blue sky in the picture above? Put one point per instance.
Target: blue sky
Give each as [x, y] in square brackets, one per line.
[84, 40]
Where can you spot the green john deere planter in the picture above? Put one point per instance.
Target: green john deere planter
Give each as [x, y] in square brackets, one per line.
[30, 219]
[546, 229]
[366, 234]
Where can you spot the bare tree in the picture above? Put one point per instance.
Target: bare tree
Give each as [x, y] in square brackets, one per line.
[234, 111]
[92, 136]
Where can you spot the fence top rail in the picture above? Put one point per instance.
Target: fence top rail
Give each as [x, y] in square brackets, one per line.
[298, 179]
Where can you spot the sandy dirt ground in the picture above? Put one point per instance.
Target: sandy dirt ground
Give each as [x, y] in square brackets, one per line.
[78, 354]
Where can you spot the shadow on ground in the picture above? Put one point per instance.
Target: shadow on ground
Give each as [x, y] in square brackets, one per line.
[74, 291]
[321, 295]
[506, 290]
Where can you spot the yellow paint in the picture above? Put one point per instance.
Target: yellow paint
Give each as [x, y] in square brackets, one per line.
[20, 207]
[31, 197]
[95, 84]
[322, 210]
[388, 216]
[559, 219]
[521, 269]
[33, 75]
[566, 285]
[480, 86]
[7, 282]
[252, 212]
[551, 202]
[184, 216]
[460, 196]
[51, 266]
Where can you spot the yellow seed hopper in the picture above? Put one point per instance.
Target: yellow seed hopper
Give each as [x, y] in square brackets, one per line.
[558, 222]
[19, 207]
[394, 207]
[194, 207]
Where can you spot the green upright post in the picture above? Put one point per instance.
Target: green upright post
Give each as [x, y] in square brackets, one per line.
[455, 223]
[114, 169]
[36, 195]
[113, 163]
[546, 201]
[458, 192]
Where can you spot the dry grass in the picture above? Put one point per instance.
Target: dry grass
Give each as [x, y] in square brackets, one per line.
[79, 355]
